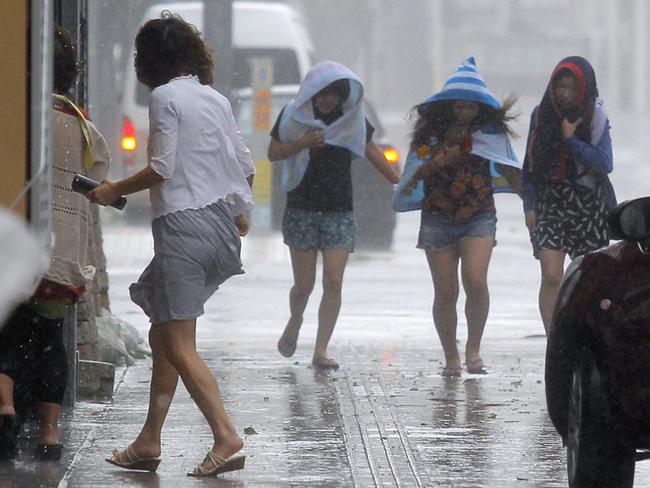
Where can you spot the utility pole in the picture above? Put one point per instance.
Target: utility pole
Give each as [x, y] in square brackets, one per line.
[613, 74]
[217, 26]
[641, 73]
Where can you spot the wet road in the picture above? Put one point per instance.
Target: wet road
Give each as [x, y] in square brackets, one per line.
[386, 418]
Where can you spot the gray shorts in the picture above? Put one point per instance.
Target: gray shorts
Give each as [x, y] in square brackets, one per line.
[440, 233]
[314, 231]
[195, 250]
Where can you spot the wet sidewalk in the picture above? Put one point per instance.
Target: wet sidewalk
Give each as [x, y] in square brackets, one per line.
[385, 419]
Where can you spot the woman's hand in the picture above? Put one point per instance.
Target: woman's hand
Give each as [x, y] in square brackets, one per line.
[568, 129]
[315, 138]
[376, 157]
[513, 176]
[242, 224]
[105, 194]
[531, 220]
[285, 150]
[444, 155]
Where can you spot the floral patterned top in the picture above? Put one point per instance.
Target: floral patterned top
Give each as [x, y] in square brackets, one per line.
[459, 190]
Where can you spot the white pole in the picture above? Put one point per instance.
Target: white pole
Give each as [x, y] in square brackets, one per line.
[613, 74]
[437, 36]
[640, 61]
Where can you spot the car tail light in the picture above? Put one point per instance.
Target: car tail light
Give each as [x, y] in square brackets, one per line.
[129, 141]
[391, 154]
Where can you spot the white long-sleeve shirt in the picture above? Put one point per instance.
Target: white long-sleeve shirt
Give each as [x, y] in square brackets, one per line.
[196, 146]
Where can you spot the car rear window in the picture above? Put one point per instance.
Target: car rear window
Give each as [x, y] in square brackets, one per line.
[285, 66]
[243, 111]
[285, 69]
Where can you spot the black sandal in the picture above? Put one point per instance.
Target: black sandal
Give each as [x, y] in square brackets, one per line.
[48, 452]
[475, 366]
[9, 431]
[451, 372]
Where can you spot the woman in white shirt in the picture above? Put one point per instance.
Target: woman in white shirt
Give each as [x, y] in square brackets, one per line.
[199, 175]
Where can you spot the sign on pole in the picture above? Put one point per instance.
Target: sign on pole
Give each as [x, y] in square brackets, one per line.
[262, 74]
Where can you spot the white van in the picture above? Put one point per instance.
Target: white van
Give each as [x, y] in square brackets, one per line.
[260, 30]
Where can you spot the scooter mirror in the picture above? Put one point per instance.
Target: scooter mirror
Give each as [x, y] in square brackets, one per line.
[634, 219]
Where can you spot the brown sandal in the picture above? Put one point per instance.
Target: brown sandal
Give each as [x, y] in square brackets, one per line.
[218, 465]
[128, 459]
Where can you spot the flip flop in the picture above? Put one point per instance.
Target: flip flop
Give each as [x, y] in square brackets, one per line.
[128, 459]
[48, 452]
[451, 372]
[286, 347]
[475, 366]
[218, 465]
[325, 363]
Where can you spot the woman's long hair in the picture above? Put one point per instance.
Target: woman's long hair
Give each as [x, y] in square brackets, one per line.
[435, 118]
[169, 47]
[66, 68]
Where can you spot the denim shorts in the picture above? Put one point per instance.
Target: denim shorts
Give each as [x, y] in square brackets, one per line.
[314, 231]
[440, 233]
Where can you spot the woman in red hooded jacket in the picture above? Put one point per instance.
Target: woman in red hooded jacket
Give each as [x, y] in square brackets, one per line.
[566, 189]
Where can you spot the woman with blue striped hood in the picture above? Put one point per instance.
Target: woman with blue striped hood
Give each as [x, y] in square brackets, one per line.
[460, 155]
[566, 189]
[317, 135]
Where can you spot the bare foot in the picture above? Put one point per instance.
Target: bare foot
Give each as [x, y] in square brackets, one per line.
[289, 339]
[146, 449]
[452, 363]
[324, 363]
[221, 459]
[224, 450]
[447, 372]
[475, 366]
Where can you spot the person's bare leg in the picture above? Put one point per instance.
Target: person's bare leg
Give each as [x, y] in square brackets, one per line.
[334, 262]
[552, 267]
[179, 339]
[164, 379]
[303, 264]
[444, 274]
[48, 425]
[475, 257]
[6, 395]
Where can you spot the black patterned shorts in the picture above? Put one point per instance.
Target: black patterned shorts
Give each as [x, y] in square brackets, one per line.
[570, 218]
[313, 231]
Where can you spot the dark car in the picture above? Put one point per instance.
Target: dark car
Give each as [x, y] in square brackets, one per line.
[598, 356]
[373, 194]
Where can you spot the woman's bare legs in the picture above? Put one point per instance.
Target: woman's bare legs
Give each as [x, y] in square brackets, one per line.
[444, 273]
[303, 264]
[334, 262]
[48, 423]
[6, 395]
[164, 379]
[552, 267]
[177, 356]
[475, 256]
